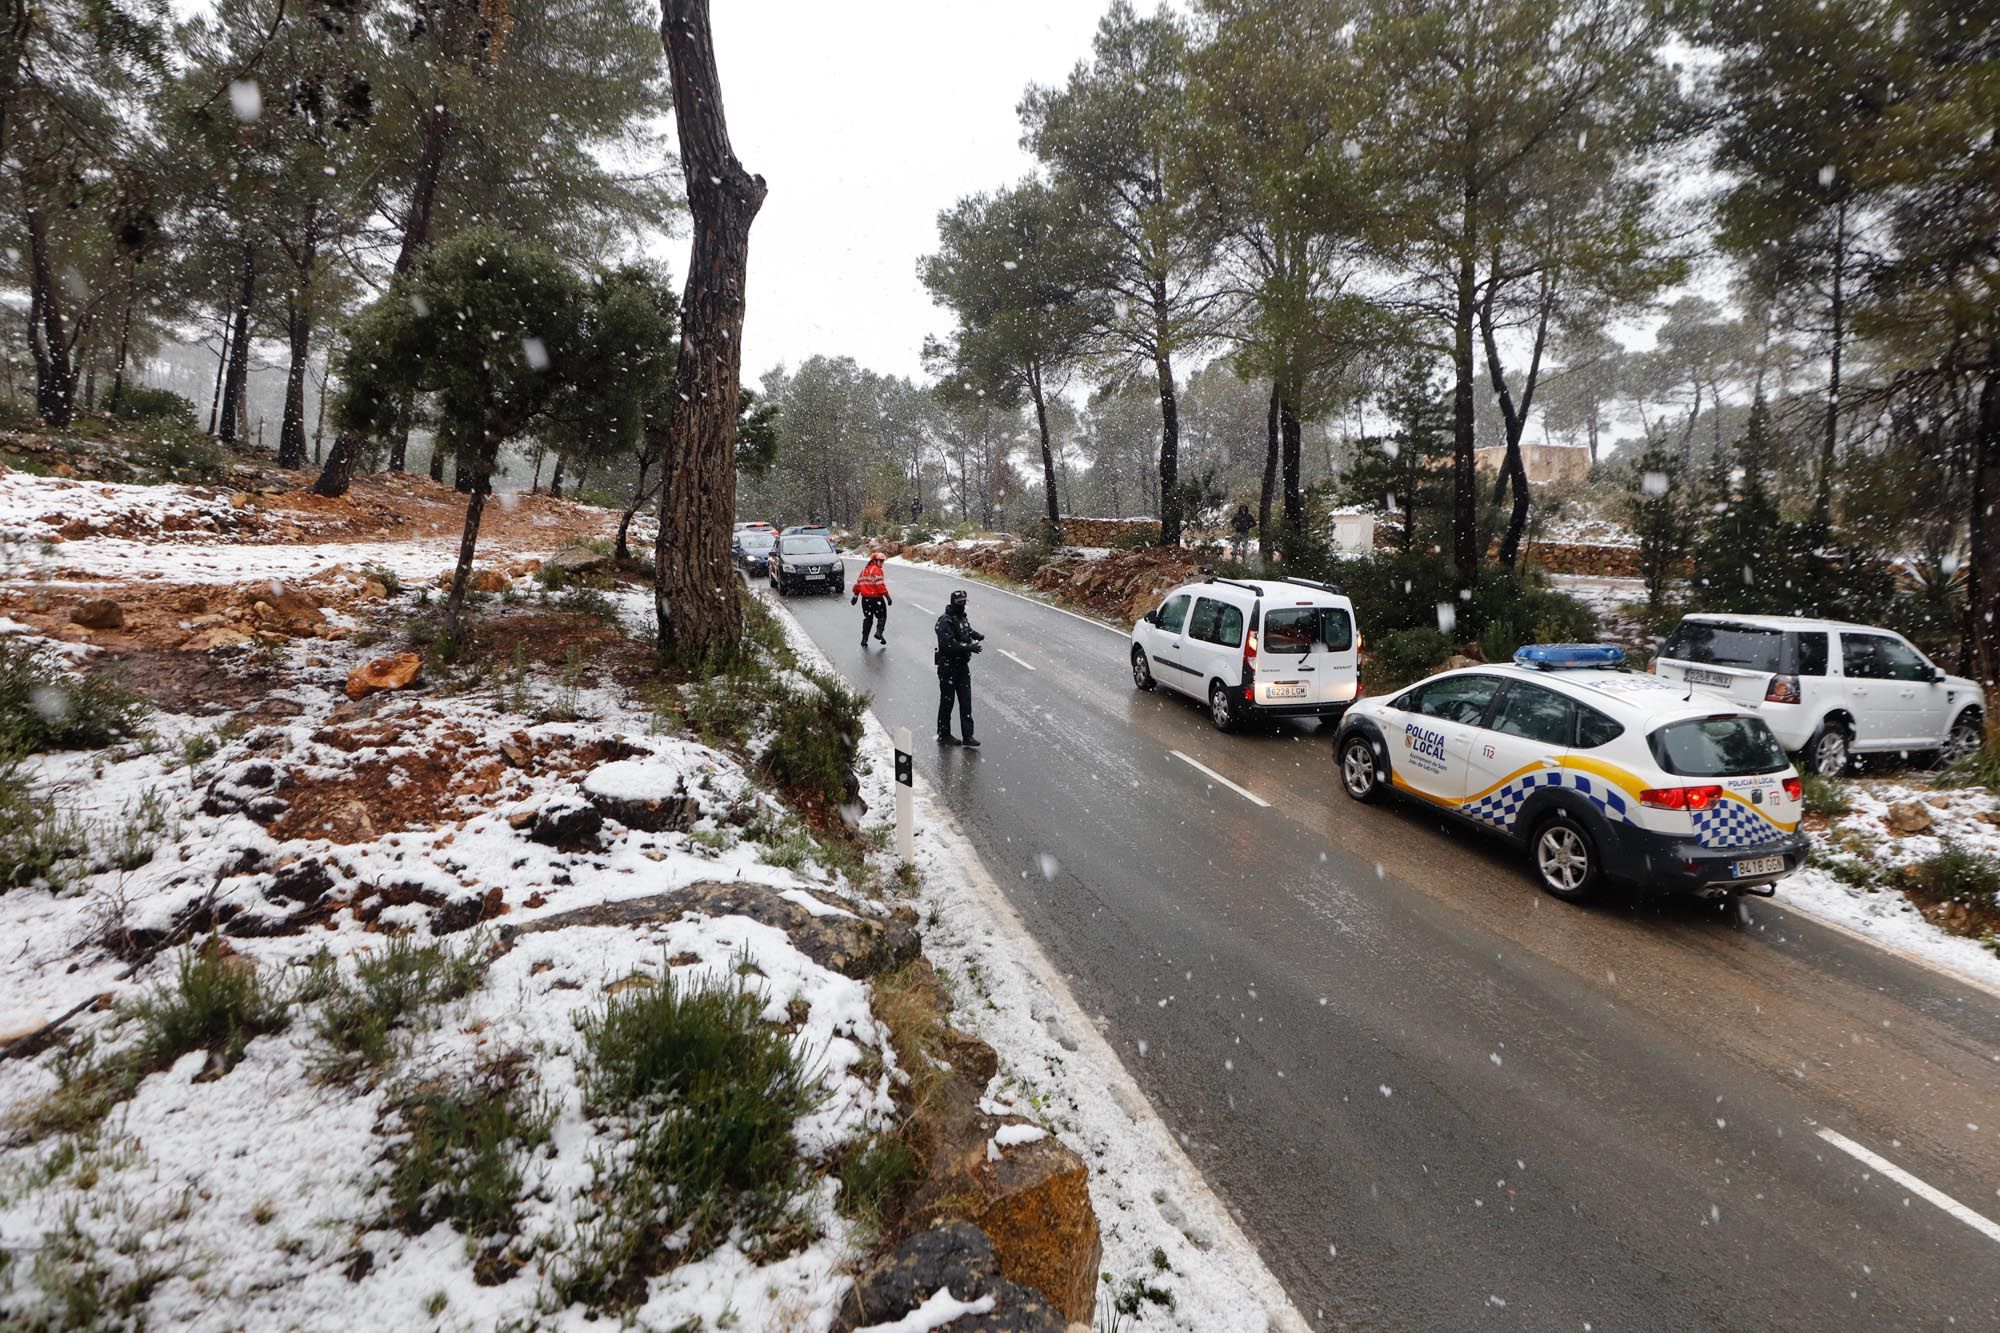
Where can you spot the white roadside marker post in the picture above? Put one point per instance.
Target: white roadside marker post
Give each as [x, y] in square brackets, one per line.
[906, 837]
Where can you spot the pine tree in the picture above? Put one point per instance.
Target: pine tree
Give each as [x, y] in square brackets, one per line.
[1663, 517]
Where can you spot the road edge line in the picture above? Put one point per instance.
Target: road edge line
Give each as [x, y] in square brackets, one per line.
[1929, 1193]
[1931, 965]
[953, 571]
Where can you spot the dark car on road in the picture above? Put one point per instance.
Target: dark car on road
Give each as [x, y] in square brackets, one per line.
[806, 562]
[752, 548]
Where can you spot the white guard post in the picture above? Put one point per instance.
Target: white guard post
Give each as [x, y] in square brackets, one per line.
[906, 837]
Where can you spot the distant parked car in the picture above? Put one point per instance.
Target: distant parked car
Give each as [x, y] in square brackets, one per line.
[806, 562]
[1828, 690]
[1252, 648]
[752, 549]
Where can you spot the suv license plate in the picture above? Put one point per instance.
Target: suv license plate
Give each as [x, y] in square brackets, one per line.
[815, 573]
[1760, 865]
[1699, 677]
[1288, 690]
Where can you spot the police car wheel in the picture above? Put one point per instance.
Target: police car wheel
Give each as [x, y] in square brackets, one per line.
[1142, 670]
[1830, 752]
[1566, 859]
[1220, 710]
[1359, 776]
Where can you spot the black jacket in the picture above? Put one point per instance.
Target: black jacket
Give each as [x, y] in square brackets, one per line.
[957, 641]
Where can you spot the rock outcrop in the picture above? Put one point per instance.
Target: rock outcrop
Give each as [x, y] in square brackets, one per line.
[956, 1257]
[384, 673]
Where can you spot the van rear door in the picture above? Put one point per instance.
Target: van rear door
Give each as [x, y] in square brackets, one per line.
[1307, 653]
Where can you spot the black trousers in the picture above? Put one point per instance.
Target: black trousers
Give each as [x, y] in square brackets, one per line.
[955, 680]
[874, 612]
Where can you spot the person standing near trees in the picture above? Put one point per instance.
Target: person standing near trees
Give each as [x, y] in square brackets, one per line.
[1240, 523]
[872, 592]
[957, 641]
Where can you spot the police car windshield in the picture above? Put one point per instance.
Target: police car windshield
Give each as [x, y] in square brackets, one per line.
[1294, 629]
[808, 546]
[1717, 747]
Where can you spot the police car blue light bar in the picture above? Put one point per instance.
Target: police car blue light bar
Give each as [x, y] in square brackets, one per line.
[1569, 656]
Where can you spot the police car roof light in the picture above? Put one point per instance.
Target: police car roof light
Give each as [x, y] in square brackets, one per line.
[1569, 656]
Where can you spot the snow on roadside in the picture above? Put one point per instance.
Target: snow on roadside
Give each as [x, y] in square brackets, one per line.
[1055, 1066]
[1968, 818]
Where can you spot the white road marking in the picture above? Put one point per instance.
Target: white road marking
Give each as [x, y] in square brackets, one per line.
[925, 609]
[1984, 1226]
[1245, 793]
[947, 572]
[1011, 658]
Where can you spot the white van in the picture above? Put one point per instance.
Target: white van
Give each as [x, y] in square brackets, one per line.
[1252, 648]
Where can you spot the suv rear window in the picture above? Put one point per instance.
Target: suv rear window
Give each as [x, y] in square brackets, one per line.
[1724, 746]
[1294, 629]
[1743, 646]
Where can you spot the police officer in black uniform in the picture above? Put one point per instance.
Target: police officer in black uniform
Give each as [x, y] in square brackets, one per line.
[957, 641]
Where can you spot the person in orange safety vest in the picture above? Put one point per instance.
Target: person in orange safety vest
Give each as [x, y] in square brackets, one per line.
[873, 594]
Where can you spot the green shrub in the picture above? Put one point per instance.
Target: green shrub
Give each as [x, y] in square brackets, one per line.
[461, 1161]
[553, 578]
[358, 1018]
[1396, 591]
[40, 842]
[218, 1004]
[1981, 768]
[180, 453]
[581, 600]
[139, 403]
[875, 1177]
[391, 581]
[43, 707]
[817, 741]
[1826, 797]
[1026, 558]
[704, 1093]
[1397, 658]
[1958, 874]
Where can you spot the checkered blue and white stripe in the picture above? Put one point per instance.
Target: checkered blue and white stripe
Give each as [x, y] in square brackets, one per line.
[1732, 824]
[1501, 806]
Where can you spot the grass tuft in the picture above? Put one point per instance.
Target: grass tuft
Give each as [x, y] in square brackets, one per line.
[1825, 797]
[43, 707]
[359, 1017]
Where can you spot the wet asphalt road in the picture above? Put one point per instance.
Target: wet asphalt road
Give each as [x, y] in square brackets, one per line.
[1435, 1097]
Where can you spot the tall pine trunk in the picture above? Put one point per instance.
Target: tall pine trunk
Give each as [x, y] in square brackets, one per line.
[416, 235]
[1054, 534]
[1170, 420]
[694, 587]
[298, 330]
[233, 390]
[1465, 551]
[55, 375]
[338, 474]
[124, 345]
[1290, 436]
[478, 471]
[1837, 309]
[1265, 544]
[1982, 594]
[221, 365]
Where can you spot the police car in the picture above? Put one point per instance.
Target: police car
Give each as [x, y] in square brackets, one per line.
[1601, 774]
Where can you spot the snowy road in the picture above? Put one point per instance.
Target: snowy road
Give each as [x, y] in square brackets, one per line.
[1437, 1098]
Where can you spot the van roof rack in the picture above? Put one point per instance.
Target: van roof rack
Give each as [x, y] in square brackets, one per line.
[1236, 583]
[1305, 583]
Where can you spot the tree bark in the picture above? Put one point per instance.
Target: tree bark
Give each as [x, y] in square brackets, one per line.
[694, 589]
[1291, 467]
[298, 329]
[1982, 594]
[1048, 458]
[1464, 471]
[1170, 421]
[1830, 442]
[621, 550]
[55, 375]
[338, 474]
[233, 391]
[1515, 415]
[480, 481]
[124, 345]
[555, 480]
[1271, 447]
[221, 365]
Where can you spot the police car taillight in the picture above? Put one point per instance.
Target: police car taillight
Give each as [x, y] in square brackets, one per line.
[1783, 690]
[1681, 798]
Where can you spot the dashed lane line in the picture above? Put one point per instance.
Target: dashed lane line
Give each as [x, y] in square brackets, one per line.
[1984, 1226]
[1200, 767]
[1011, 658]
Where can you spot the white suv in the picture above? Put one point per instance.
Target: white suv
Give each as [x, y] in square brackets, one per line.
[1252, 648]
[1600, 773]
[1828, 690]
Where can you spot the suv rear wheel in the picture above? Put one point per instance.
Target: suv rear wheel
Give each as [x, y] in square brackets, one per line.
[1830, 751]
[1968, 733]
[1566, 859]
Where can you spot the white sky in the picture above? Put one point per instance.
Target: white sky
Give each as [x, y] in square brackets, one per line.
[866, 120]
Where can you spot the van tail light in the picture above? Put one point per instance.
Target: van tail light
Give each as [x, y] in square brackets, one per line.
[1250, 666]
[1795, 788]
[1783, 690]
[1681, 798]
